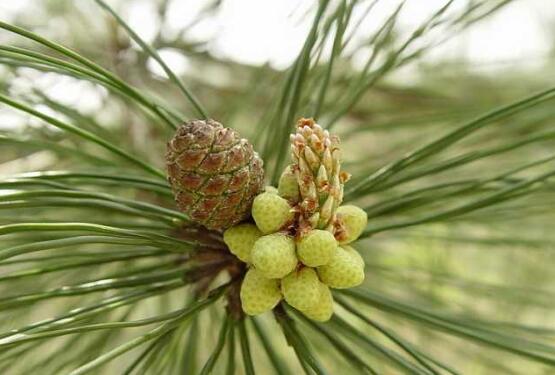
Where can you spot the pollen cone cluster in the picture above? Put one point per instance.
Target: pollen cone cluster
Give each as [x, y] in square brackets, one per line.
[214, 173]
[297, 248]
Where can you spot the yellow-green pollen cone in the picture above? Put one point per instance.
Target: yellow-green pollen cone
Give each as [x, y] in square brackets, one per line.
[343, 271]
[355, 254]
[351, 221]
[274, 255]
[240, 240]
[323, 310]
[301, 289]
[316, 248]
[259, 294]
[271, 212]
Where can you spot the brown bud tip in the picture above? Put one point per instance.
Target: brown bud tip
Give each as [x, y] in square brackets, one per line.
[306, 122]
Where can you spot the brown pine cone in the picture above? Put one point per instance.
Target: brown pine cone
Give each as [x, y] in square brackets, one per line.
[214, 173]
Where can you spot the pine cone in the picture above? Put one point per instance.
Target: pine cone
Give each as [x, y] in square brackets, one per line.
[317, 167]
[214, 173]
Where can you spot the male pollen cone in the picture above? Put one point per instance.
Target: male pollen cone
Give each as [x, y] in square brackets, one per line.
[214, 173]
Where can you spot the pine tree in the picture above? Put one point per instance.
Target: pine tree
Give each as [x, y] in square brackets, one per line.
[101, 272]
